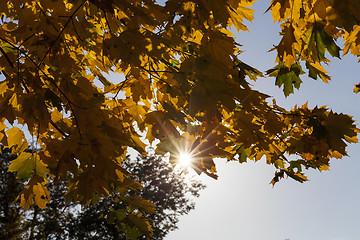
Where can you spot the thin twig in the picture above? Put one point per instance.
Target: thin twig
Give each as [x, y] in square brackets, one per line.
[107, 21]
[289, 114]
[27, 39]
[122, 85]
[42, 71]
[72, 21]
[28, 91]
[61, 32]
[51, 80]
[158, 78]
[44, 13]
[59, 130]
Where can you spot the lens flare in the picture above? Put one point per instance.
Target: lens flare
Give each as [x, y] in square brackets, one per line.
[185, 159]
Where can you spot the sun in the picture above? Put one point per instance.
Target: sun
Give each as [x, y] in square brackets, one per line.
[185, 159]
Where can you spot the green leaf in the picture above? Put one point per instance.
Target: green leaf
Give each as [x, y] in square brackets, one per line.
[323, 40]
[132, 233]
[23, 165]
[28, 164]
[312, 71]
[289, 78]
[243, 153]
[120, 214]
[141, 223]
[333, 49]
[320, 45]
[315, 70]
[330, 44]
[8, 48]
[279, 163]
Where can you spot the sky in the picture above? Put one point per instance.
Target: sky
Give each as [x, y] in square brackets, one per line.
[242, 204]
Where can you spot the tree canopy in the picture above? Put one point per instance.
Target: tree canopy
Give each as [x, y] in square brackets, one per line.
[184, 84]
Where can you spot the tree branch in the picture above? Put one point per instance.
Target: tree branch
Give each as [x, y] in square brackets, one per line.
[61, 32]
[51, 80]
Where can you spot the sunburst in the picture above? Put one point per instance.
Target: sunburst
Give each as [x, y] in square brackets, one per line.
[188, 151]
[185, 159]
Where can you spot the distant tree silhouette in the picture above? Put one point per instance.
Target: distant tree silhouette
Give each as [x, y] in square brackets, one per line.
[167, 188]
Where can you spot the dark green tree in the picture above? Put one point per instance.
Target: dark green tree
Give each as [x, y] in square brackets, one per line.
[168, 188]
[11, 216]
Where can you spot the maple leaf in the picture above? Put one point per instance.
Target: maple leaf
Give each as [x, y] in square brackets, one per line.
[357, 88]
[286, 48]
[27, 165]
[322, 41]
[16, 138]
[36, 191]
[315, 70]
[289, 77]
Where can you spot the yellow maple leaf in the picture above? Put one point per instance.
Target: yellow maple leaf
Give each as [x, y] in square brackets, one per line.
[324, 168]
[16, 137]
[42, 195]
[286, 47]
[35, 188]
[238, 15]
[3, 87]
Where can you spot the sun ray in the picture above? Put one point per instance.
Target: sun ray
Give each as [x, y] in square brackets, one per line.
[185, 159]
[187, 152]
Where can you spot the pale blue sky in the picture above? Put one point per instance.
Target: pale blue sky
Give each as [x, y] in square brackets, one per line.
[243, 205]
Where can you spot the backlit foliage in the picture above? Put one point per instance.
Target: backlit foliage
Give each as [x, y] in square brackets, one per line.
[184, 84]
